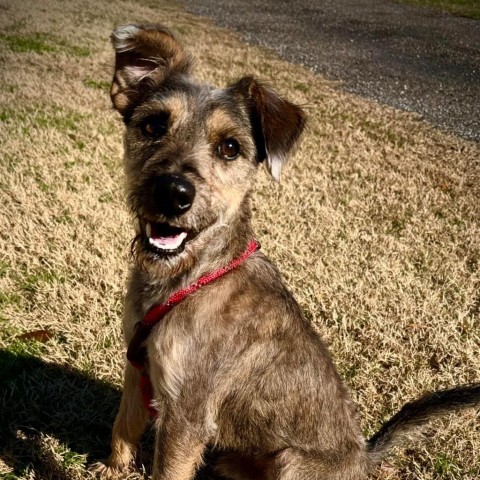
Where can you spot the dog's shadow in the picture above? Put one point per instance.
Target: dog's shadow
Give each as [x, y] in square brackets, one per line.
[50, 415]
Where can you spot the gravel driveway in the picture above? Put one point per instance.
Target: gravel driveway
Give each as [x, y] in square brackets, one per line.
[412, 58]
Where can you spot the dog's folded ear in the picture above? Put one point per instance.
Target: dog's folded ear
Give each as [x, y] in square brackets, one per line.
[276, 123]
[144, 57]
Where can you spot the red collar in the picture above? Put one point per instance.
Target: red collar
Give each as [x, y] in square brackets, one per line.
[136, 353]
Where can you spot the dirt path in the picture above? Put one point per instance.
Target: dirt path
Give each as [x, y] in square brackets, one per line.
[412, 58]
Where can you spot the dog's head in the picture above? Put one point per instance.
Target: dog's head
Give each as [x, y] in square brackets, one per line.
[190, 150]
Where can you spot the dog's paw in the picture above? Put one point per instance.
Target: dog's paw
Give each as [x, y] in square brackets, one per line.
[103, 471]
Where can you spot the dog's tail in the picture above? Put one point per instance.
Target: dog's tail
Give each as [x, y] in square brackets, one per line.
[401, 427]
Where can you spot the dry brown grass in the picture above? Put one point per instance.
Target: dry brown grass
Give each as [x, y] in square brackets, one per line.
[375, 226]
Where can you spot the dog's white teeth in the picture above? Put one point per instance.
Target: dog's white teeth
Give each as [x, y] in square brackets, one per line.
[148, 230]
[156, 244]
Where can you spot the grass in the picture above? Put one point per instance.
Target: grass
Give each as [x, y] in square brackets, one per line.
[100, 84]
[463, 8]
[41, 43]
[27, 44]
[383, 257]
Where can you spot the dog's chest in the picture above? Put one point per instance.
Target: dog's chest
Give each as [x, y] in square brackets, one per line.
[168, 353]
[180, 350]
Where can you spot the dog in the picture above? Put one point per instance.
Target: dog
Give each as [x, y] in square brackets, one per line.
[220, 353]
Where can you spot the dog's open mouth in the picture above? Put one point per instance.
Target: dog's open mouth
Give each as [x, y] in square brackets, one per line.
[165, 239]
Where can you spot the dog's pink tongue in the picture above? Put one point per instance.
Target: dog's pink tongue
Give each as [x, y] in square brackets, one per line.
[170, 242]
[164, 242]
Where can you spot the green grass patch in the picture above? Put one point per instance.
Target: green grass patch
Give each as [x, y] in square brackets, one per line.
[63, 121]
[97, 84]
[18, 349]
[302, 87]
[80, 145]
[33, 280]
[445, 466]
[5, 115]
[4, 267]
[42, 184]
[11, 88]
[9, 298]
[64, 218]
[183, 29]
[463, 8]
[45, 117]
[9, 476]
[19, 44]
[41, 43]
[106, 197]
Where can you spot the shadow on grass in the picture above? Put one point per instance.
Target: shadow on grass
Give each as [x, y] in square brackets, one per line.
[41, 401]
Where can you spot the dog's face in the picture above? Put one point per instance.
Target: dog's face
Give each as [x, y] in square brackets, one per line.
[190, 150]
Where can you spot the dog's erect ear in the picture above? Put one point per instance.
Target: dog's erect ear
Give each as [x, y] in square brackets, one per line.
[276, 123]
[143, 54]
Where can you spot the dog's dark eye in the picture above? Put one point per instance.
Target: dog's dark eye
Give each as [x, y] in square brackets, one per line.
[154, 126]
[229, 149]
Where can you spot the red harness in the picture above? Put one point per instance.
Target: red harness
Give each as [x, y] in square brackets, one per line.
[137, 353]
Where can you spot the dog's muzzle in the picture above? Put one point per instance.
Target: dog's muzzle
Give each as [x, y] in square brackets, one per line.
[169, 197]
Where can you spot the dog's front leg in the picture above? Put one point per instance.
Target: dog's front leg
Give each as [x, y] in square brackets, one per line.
[178, 450]
[128, 427]
[130, 423]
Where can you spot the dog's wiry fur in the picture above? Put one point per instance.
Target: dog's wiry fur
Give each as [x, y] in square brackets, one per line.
[235, 366]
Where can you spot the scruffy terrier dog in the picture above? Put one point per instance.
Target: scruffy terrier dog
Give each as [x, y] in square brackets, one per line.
[220, 353]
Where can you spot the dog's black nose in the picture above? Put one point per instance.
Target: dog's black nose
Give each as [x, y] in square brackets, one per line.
[173, 195]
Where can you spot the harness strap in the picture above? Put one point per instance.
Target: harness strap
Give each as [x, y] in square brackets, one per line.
[137, 353]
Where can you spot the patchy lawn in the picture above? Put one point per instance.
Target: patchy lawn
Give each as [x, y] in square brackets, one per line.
[375, 227]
